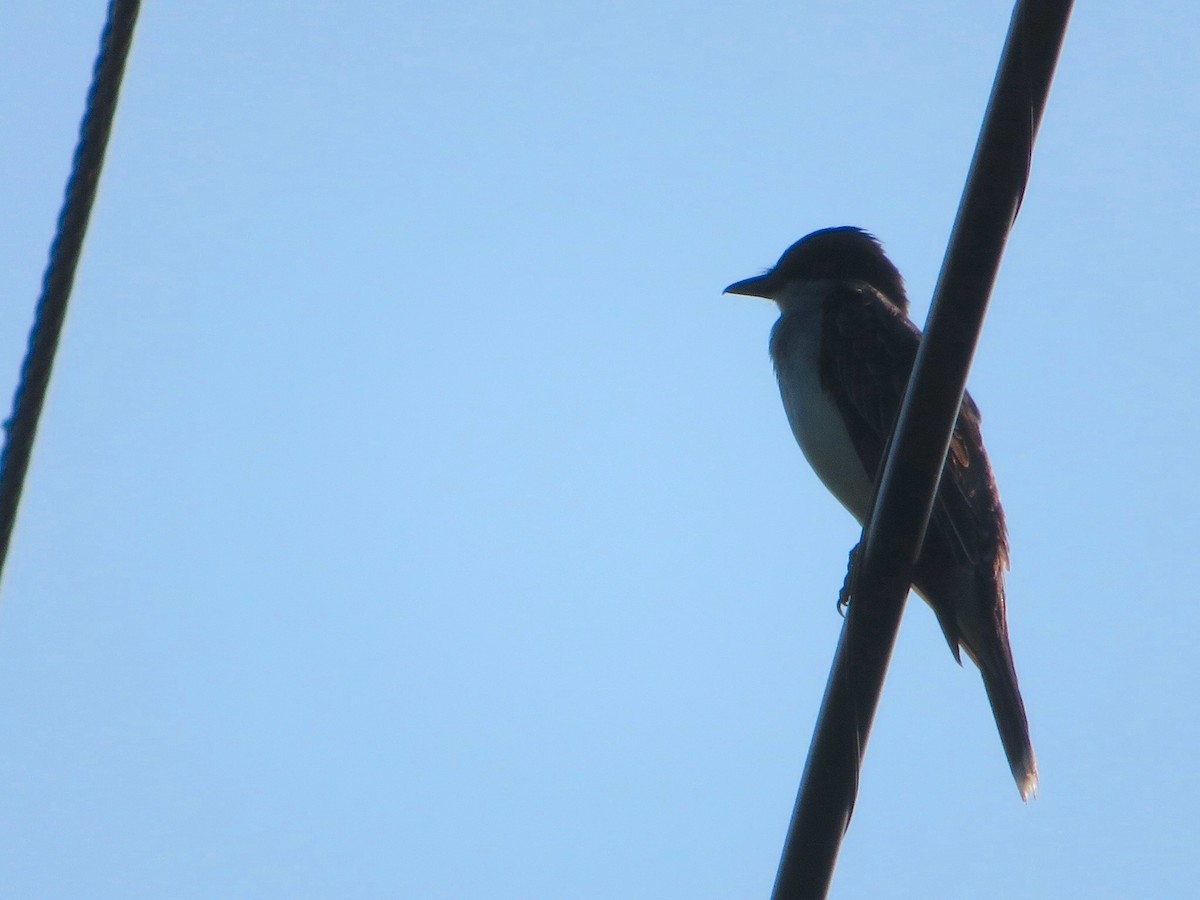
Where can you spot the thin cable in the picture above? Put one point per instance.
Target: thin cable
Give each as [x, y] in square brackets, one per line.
[21, 427]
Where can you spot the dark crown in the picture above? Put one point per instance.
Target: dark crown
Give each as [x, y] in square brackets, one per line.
[841, 254]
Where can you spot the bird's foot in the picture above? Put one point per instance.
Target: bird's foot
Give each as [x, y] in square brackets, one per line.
[843, 602]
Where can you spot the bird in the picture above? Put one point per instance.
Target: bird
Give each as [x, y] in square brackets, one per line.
[843, 349]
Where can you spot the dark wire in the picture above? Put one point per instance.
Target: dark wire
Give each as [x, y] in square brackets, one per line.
[882, 572]
[21, 427]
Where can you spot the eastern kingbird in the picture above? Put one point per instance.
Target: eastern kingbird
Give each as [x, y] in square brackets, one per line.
[843, 349]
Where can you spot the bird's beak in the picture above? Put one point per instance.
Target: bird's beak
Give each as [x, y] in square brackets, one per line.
[758, 286]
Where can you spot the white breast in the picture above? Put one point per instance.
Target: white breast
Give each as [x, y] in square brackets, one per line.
[814, 418]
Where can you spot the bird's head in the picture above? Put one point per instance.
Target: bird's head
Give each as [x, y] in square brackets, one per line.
[831, 254]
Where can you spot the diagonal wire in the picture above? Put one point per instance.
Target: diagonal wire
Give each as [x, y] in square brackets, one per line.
[21, 426]
[892, 538]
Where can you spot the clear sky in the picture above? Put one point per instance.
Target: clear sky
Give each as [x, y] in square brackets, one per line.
[413, 517]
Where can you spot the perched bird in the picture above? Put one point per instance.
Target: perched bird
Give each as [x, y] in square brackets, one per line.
[843, 349]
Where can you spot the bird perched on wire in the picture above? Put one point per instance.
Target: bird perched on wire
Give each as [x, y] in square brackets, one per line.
[843, 349]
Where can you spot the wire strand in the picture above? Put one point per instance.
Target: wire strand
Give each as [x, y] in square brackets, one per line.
[21, 427]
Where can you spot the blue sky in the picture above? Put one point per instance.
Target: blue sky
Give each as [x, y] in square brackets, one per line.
[413, 517]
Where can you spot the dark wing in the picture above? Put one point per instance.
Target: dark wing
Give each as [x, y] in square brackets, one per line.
[868, 349]
[974, 499]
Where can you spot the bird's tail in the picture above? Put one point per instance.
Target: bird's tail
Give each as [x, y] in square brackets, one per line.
[1000, 682]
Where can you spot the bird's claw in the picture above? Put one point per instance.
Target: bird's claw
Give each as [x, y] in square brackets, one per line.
[843, 601]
